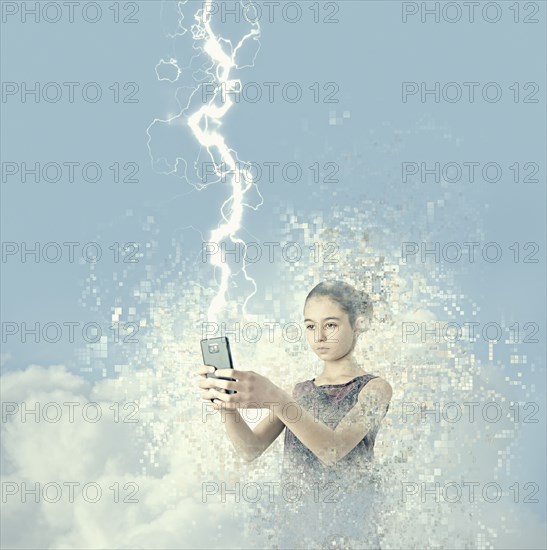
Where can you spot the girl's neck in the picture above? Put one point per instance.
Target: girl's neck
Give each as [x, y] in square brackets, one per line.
[344, 369]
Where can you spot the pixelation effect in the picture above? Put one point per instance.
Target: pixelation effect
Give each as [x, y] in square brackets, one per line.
[217, 213]
[412, 454]
[419, 452]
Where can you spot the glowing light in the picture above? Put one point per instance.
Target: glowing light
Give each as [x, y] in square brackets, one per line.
[205, 124]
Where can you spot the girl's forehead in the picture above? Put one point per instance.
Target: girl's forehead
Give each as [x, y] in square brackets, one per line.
[323, 304]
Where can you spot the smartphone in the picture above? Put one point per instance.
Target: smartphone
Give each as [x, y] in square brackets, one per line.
[216, 353]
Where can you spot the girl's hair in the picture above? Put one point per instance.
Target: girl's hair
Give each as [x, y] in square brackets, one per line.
[354, 302]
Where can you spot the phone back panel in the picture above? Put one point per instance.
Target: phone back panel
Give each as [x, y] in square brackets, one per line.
[216, 352]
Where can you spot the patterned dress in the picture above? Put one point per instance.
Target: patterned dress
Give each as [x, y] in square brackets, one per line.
[328, 506]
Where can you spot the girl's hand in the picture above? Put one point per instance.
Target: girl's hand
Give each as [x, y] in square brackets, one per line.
[204, 382]
[253, 391]
[208, 384]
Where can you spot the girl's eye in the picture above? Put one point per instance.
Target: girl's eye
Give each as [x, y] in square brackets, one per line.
[331, 324]
[309, 326]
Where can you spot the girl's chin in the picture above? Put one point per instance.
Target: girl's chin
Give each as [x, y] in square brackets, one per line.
[323, 354]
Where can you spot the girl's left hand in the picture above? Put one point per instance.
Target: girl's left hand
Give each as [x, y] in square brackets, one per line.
[254, 391]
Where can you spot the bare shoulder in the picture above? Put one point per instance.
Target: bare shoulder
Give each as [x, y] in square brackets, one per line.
[378, 388]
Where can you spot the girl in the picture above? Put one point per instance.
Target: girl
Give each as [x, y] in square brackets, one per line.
[329, 440]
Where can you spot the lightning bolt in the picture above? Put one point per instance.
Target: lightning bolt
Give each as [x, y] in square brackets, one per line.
[205, 124]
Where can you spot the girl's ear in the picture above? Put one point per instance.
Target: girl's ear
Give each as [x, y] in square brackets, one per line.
[361, 324]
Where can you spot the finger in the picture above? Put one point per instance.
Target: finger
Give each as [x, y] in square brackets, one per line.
[222, 384]
[207, 394]
[233, 373]
[204, 383]
[216, 394]
[203, 370]
[217, 404]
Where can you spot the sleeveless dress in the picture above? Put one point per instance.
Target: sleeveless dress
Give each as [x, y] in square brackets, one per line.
[328, 506]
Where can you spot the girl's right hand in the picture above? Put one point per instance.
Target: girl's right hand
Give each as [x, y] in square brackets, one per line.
[203, 370]
[203, 381]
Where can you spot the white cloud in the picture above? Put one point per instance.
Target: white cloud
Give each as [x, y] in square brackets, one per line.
[170, 512]
[105, 453]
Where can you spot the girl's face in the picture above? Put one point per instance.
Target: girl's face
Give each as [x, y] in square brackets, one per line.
[328, 330]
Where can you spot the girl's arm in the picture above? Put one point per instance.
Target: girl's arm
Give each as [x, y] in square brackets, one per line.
[256, 391]
[331, 445]
[249, 443]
